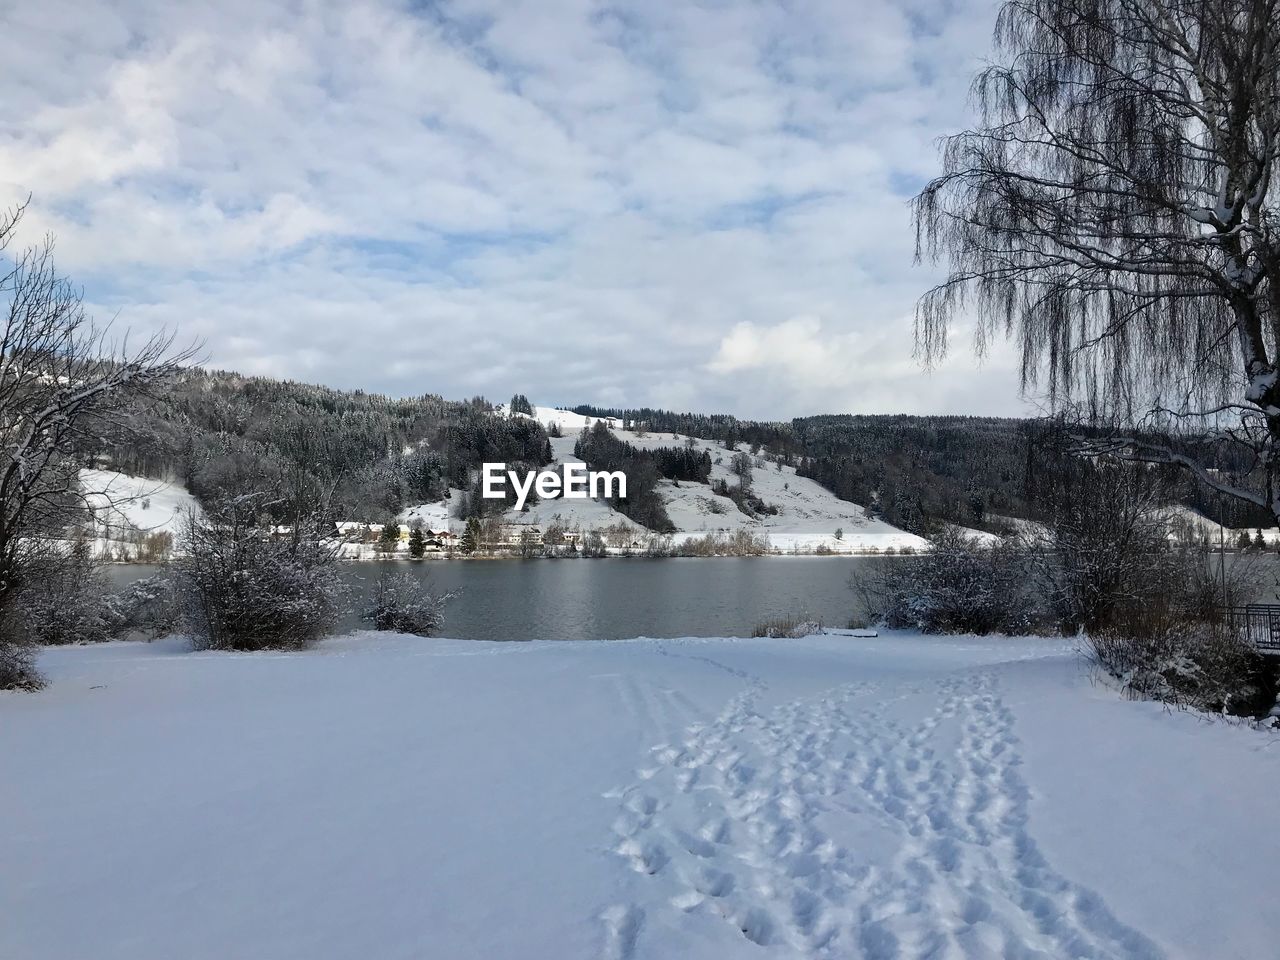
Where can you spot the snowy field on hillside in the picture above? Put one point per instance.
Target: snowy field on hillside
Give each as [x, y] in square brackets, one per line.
[389, 797]
[808, 514]
[126, 508]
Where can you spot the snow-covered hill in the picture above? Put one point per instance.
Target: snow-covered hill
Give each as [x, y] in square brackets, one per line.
[808, 519]
[390, 797]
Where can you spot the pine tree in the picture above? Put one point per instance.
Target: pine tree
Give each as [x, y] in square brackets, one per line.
[470, 536]
[390, 535]
[417, 544]
[1259, 540]
[1242, 541]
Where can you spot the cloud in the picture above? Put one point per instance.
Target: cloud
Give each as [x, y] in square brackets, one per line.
[858, 371]
[691, 205]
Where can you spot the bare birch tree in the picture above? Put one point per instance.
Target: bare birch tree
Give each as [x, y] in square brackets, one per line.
[1115, 213]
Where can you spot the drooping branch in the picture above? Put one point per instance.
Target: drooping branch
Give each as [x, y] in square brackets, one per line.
[1115, 211]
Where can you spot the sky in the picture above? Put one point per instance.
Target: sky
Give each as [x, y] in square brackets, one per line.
[696, 206]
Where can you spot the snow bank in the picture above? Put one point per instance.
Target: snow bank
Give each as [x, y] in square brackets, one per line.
[833, 796]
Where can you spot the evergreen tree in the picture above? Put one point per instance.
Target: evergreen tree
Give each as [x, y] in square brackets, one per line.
[390, 536]
[470, 536]
[417, 544]
[1259, 541]
[520, 404]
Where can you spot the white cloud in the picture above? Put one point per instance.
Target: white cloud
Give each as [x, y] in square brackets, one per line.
[690, 205]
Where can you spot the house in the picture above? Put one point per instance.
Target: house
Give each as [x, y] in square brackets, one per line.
[513, 534]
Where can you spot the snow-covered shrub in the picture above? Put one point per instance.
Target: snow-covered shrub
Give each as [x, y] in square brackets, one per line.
[787, 628]
[1200, 664]
[242, 589]
[658, 546]
[148, 607]
[961, 586]
[62, 598]
[403, 603]
[1169, 642]
[738, 543]
[593, 545]
[17, 662]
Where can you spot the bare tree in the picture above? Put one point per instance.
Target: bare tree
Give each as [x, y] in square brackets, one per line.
[1103, 543]
[1115, 211]
[64, 382]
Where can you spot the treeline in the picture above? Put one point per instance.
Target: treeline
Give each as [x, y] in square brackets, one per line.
[911, 471]
[362, 454]
[601, 450]
[916, 471]
[777, 439]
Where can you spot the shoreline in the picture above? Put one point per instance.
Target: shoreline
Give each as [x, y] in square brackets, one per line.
[852, 555]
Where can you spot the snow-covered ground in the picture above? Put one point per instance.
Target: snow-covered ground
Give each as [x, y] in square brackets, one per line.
[1183, 521]
[127, 508]
[390, 797]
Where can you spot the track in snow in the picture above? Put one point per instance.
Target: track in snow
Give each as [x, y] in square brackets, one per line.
[828, 827]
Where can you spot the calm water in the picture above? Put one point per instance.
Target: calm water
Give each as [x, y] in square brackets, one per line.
[612, 599]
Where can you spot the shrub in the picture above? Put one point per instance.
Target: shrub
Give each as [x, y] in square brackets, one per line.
[787, 628]
[148, 607]
[593, 544]
[59, 596]
[242, 590]
[739, 543]
[17, 663]
[961, 586]
[404, 604]
[1192, 663]
[62, 599]
[1169, 641]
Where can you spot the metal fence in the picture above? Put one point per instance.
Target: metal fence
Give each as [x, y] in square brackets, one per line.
[1259, 623]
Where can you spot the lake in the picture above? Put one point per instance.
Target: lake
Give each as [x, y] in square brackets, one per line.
[615, 598]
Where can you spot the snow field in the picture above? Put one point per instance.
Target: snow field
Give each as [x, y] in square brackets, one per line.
[890, 798]
[127, 507]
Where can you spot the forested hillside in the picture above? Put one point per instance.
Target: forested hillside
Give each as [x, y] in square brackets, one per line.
[370, 456]
[364, 454]
[908, 470]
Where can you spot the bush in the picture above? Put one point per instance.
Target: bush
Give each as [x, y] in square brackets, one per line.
[593, 545]
[149, 607]
[1169, 641]
[404, 604]
[787, 628]
[62, 599]
[242, 590]
[739, 543]
[59, 597]
[1204, 665]
[961, 586]
[17, 663]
